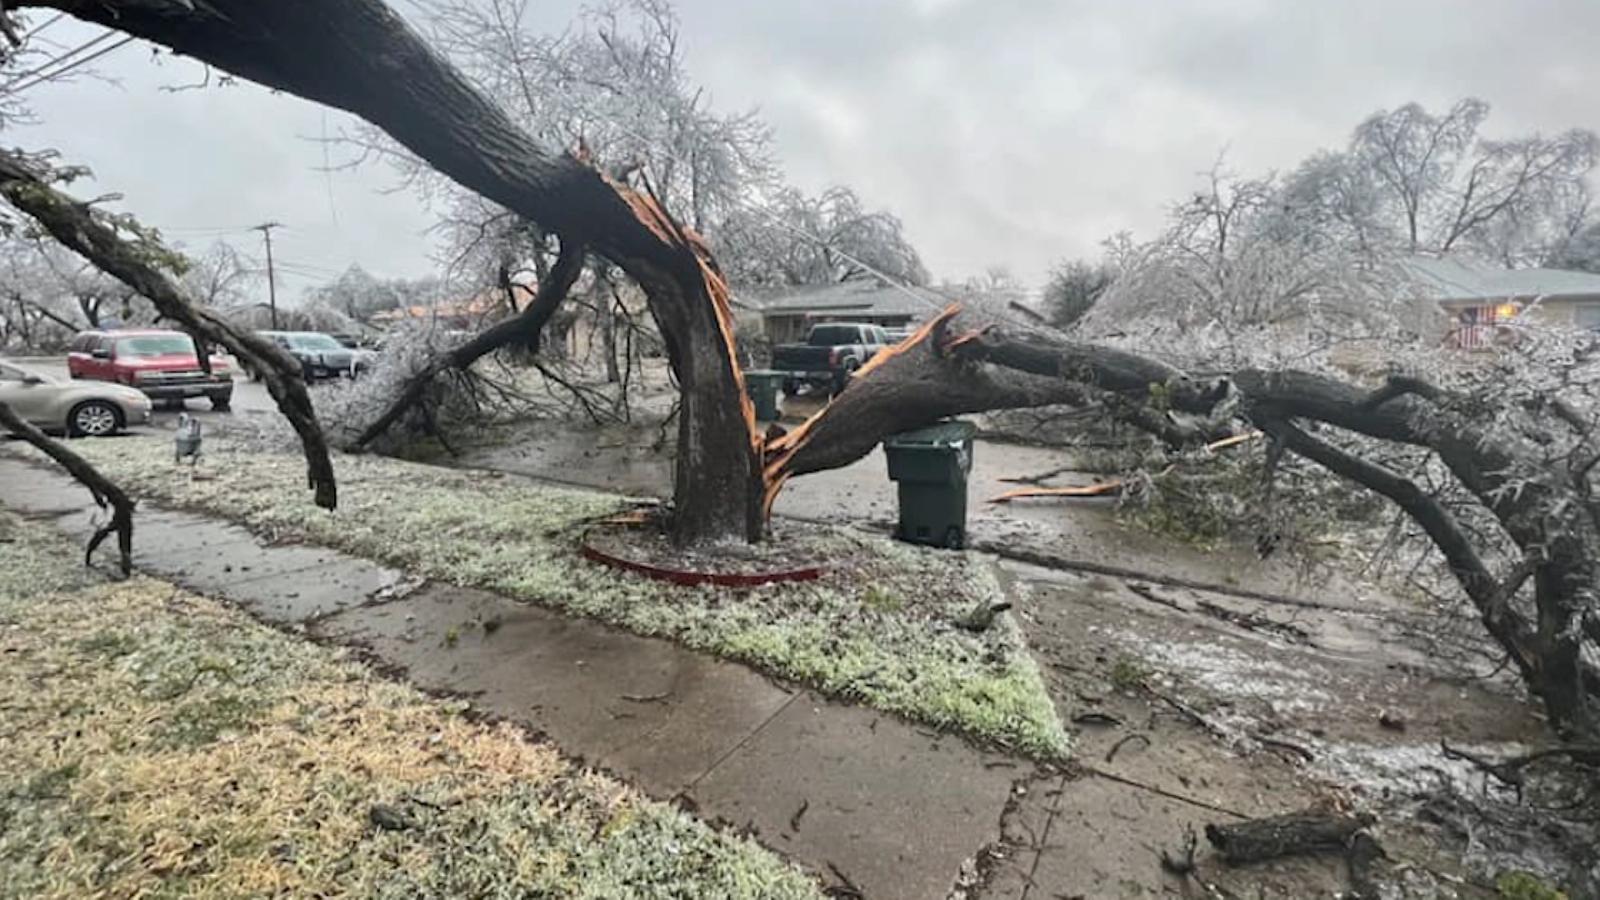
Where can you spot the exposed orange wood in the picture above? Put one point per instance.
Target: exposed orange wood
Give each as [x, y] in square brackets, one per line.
[1085, 490]
[1114, 486]
[960, 340]
[916, 337]
[650, 212]
[1232, 441]
[779, 451]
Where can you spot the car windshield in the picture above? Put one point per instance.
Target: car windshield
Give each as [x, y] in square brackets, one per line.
[314, 342]
[833, 335]
[156, 345]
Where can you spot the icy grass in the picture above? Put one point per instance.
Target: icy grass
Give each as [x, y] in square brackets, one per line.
[880, 629]
[161, 744]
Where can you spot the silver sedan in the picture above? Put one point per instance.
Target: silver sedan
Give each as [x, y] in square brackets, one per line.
[78, 408]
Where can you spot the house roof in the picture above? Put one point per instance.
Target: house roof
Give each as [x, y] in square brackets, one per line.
[484, 302]
[1455, 278]
[860, 298]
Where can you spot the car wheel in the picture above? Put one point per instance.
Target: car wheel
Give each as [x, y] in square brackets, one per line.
[222, 404]
[791, 387]
[94, 418]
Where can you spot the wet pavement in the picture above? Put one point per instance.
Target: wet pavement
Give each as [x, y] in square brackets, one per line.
[856, 796]
[894, 808]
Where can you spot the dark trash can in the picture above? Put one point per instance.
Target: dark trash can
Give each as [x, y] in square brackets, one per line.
[930, 466]
[762, 385]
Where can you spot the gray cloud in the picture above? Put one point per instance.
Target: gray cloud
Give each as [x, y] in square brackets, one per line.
[1013, 132]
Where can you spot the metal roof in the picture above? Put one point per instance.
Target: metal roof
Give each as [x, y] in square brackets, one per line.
[1455, 278]
[864, 298]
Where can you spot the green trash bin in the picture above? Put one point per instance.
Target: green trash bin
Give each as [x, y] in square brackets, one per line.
[762, 385]
[930, 467]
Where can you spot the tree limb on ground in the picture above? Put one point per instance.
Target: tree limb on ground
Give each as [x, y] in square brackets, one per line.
[1115, 485]
[138, 265]
[1259, 840]
[106, 494]
[1510, 770]
[524, 327]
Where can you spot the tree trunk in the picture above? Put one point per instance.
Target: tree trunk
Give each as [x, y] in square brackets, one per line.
[608, 335]
[359, 56]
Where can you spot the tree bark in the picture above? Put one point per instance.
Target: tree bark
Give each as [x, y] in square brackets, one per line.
[74, 225]
[105, 492]
[359, 56]
[1259, 840]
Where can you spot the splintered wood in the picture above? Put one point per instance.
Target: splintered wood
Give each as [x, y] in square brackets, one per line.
[1114, 486]
[779, 451]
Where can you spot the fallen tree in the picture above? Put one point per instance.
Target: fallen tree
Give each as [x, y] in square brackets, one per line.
[359, 56]
[1542, 501]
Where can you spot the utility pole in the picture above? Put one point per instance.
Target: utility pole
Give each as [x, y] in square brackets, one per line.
[272, 288]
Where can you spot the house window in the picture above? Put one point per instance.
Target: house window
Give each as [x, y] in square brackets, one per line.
[1587, 316]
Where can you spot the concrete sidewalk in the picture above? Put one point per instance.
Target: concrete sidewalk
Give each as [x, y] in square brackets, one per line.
[855, 795]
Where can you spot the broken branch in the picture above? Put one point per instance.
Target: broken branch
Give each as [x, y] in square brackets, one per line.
[104, 491]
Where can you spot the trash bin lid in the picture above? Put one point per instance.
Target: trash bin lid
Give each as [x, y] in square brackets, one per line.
[944, 434]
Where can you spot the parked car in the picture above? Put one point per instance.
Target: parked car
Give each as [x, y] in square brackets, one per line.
[320, 355]
[831, 353]
[162, 364]
[77, 408]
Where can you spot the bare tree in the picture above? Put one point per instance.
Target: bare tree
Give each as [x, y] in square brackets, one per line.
[1580, 251]
[1420, 182]
[795, 240]
[220, 277]
[357, 294]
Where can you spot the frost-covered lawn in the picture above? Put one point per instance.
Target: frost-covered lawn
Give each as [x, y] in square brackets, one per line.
[881, 630]
[155, 743]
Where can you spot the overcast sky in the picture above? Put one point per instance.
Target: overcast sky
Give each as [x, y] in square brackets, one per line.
[1004, 132]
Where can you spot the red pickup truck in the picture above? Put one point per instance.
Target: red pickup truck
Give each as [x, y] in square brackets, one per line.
[162, 364]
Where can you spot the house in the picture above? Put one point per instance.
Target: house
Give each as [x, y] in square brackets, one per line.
[461, 315]
[787, 316]
[1480, 298]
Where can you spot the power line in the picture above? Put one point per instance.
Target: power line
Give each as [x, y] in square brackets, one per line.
[46, 24]
[101, 37]
[50, 76]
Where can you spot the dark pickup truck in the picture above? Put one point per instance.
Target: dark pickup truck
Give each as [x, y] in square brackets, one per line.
[832, 352]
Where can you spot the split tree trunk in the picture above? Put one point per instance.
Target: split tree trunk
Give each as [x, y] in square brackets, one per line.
[359, 56]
